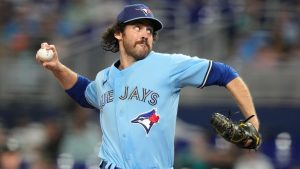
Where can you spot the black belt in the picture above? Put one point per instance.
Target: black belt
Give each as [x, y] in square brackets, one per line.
[103, 164]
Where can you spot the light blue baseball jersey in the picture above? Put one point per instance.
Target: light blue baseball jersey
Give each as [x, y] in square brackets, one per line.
[138, 108]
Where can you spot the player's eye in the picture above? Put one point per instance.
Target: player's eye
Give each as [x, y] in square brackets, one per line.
[136, 27]
[150, 30]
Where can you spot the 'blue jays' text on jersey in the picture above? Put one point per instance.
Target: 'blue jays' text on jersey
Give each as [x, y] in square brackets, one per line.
[138, 108]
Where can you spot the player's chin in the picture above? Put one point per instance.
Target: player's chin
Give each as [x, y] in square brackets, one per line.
[141, 54]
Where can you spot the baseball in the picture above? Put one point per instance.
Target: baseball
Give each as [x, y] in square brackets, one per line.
[44, 55]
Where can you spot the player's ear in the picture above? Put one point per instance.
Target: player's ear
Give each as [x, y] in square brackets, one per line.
[118, 35]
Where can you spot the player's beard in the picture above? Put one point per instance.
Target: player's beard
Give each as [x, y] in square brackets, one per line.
[139, 50]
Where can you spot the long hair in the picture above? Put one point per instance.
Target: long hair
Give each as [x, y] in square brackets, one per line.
[109, 42]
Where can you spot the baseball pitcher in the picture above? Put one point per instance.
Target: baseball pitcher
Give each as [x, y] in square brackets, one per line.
[137, 96]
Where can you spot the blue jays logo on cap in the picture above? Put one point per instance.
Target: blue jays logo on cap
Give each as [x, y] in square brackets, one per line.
[147, 119]
[146, 11]
[137, 12]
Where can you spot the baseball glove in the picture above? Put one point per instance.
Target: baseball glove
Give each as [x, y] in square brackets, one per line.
[238, 133]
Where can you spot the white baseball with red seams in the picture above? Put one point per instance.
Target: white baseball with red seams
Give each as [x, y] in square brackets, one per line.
[44, 55]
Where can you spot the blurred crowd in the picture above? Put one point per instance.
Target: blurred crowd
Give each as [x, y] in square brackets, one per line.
[264, 30]
[253, 31]
[26, 23]
[34, 136]
[64, 140]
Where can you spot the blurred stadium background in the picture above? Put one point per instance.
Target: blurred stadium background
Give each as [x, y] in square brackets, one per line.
[42, 128]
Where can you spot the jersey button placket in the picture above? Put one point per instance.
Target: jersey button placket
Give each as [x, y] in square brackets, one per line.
[120, 115]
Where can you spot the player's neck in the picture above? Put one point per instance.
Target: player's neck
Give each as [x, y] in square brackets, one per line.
[125, 60]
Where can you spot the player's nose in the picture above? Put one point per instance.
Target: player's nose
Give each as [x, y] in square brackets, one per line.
[145, 33]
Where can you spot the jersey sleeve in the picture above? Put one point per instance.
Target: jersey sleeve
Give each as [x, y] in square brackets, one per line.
[189, 71]
[221, 74]
[91, 94]
[77, 91]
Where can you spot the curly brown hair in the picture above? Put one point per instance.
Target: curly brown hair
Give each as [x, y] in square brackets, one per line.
[110, 43]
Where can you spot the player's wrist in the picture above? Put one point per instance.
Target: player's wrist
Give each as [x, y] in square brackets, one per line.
[255, 122]
[59, 68]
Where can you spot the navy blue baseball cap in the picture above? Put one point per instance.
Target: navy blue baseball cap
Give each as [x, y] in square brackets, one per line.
[136, 12]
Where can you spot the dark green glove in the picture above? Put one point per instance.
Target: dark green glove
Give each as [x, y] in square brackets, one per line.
[242, 133]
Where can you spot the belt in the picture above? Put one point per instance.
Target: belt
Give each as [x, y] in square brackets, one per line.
[106, 165]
